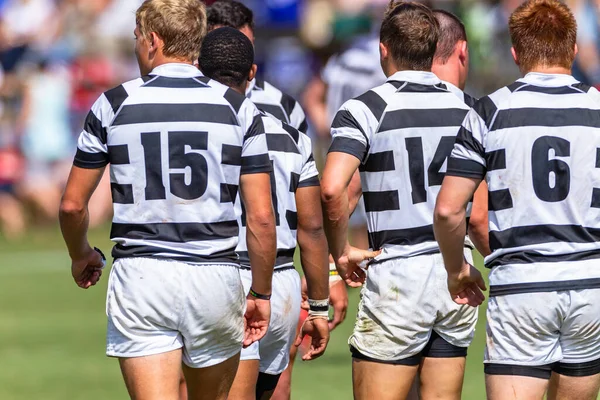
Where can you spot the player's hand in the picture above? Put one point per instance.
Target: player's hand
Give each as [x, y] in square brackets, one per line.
[338, 298]
[466, 287]
[256, 319]
[318, 329]
[87, 269]
[348, 265]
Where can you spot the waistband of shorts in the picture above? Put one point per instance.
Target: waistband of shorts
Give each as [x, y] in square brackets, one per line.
[426, 253]
[539, 287]
[288, 268]
[182, 261]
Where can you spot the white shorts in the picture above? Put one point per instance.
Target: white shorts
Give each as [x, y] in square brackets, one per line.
[404, 303]
[155, 306]
[557, 331]
[273, 350]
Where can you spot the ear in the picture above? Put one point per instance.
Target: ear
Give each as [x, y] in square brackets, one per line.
[514, 55]
[576, 50]
[252, 73]
[463, 53]
[153, 41]
[383, 52]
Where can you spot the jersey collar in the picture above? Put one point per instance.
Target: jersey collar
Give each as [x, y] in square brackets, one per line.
[422, 77]
[255, 84]
[176, 70]
[539, 79]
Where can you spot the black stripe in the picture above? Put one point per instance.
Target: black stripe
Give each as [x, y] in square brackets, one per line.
[274, 110]
[469, 100]
[466, 139]
[374, 103]
[422, 118]
[495, 160]
[465, 168]
[284, 256]
[259, 83]
[148, 113]
[310, 182]
[204, 79]
[554, 117]
[531, 257]
[226, 256]
[256, 164]
[303, 127]
[292, 219]
[231, 155]
[381, 201]
[516, 86]
[121, 194]
[499, 200]
[118, 154]
[294, 181]
[550, 90]
[396, 84]
[292, 131]
[176, 232]
[486, 109]
[228, 193]
[146, 78]
[538, 234]
[86, 160]
[380, 162]
[288, 103]
[411, 87]
[539, 372]
[402, 237]
[116, 96]
[582, 86]
[539, 287]
[175, 83]
[256, 128]
[281, 143]
[577, 369]
[345, 119]
[235, 99]
[595, 198]
[93, 126]
[348, 146]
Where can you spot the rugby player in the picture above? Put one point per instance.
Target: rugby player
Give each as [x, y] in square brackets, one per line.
[399, 134]
[297, 198]
[537, 144]
[178, 151]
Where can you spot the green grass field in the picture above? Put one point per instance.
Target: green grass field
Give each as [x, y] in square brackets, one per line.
[52, 333]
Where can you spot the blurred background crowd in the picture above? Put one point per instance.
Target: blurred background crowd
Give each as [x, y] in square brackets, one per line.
[58, 56]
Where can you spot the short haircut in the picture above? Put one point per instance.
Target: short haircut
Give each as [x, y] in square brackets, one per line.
[543, 33]
[229, 13]
[181, 24]
[226, 56]
[410, 32]
[452, 31]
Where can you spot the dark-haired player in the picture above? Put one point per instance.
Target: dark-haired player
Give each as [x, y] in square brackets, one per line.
[400, 134]
[297, 201]
[537, 144]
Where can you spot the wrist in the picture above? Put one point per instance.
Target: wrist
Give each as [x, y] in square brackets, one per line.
[318, 308]
[80, 253]
[258, 295]
[334, 275]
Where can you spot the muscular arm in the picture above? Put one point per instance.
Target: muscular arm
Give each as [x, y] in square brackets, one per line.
[478, 223]
[73, 213]
[255, 190]
[312, 242]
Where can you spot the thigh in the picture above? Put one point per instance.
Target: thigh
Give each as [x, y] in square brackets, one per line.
[563, 387]
[373, 380]
[213, 382]
[143, 307]
[397, 311]
[212, 322]
[442, 378]
[244, 385]
[285, 311]
[514, 387]
[155, 377]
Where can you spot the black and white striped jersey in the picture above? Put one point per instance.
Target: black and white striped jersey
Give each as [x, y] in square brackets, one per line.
[537, 143]
[402, 132]
[290, 152]
[273, 101]
[176, 148]
[463, 96]
[352, 72]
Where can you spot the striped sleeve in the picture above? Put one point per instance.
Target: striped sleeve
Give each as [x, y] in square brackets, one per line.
[92, 151]
[298, 118]
[468, 156]
[255, 152]
[351, 129]
[309, 176]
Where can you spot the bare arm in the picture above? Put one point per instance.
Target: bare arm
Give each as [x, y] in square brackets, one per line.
[478, 223]
[261, 239]
[312, 242]
[315, 106]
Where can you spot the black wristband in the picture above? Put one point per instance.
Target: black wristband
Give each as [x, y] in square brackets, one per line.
[259, 296]
[101, 253]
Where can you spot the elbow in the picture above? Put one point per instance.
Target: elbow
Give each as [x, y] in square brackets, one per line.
[445, 213]
[330, 192]
[262, 221]
[309, 233]
[70, 208]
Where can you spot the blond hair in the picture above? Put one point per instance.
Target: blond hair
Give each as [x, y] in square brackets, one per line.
[181, 24]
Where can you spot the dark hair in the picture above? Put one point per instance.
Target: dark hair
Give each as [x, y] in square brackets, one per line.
[410, 32]
[226, 56]
[229, 13]
[543, 33]
[452, 31]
